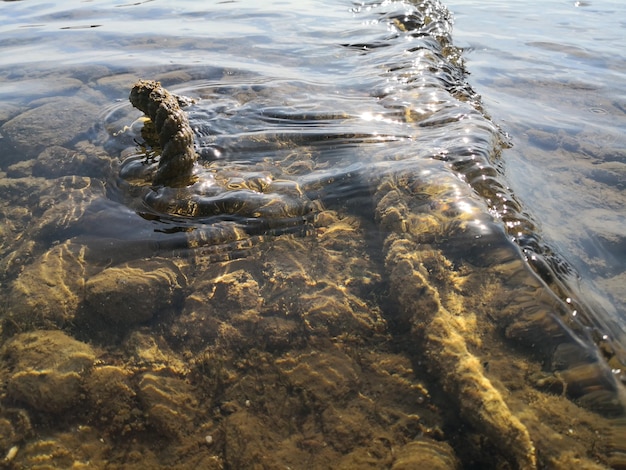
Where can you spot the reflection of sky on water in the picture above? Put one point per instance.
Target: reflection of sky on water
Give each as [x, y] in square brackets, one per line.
[559, 68]
[75, 32]
[548, 67]
[375, 124]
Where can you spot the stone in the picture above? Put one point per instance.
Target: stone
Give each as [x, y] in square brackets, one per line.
[133, 292]
[57, 122]
[48, 292]
[425, 454]
[56, 161]
[170, 404]
[112, 397]
[47, 369]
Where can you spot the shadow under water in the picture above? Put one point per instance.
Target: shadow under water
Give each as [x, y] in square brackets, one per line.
[343, 281]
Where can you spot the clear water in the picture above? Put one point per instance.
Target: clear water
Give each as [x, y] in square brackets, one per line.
[558, 67]
[303, 111]
[555, 69]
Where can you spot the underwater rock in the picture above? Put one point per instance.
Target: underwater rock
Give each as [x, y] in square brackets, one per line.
[62, 204]
[16, 249]
[227, 308]
[48, 292]
[7, 111]
[286, 291]
[47, 369]
[346, 432]
[78, 447]
[21, 191]
[56, 161]
[152, 352]
[116, 82]
[235, 293]
[112, 398]
[170, 404]
[134, 292]
[225, 299]
[443, 334]
[21, 169]
[322, 281]
[469, 299]
[57, 122]
[172, 126]
[425, 454]
[280, 334]
[15, 427]
[325, 375]
[40, 86]
[460, 372]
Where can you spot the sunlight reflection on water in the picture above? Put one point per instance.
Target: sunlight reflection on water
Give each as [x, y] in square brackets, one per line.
[553, 74]
[353, 194]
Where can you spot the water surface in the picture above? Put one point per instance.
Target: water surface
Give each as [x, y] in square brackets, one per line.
[553, 76]
[401, 240]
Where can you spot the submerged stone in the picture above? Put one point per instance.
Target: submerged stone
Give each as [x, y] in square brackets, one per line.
[58, 122]
[133, 292]
[426, 454]
[112, 397]
[48, 292]
[47, 369]
[170, 403]
[56, 161]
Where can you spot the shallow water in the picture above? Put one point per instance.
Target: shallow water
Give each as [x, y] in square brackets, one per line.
[553, 76]
[360, 221]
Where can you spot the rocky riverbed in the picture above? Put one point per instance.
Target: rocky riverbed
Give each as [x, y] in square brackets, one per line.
[257, 316]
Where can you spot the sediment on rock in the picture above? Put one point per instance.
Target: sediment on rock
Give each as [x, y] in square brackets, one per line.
[427, 454]
[459, 371]
[48, 292]
[134, 292]
[175, 134]
[47, 369]
[469, 299]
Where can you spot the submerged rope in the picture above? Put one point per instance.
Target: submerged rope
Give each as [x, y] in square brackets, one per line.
[175, 134]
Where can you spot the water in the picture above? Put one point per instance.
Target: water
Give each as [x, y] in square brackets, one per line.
[380, 258]
[559, 69]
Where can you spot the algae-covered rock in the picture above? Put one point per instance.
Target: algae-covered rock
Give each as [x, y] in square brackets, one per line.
[49, 291]
[80, 447]
[322, 282]
[152, 352]
[57, 122]
[62, 204]
[46, 369]
[56, 161]
[233, 293]
[325, 375]
[169, 402]
[291, 288]
[112, 397]
[21, 169]
[425, 454]
[460, 372]
[466, 297]
[447, 338]
[15, 427]
[133, 292]
[223, 296]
